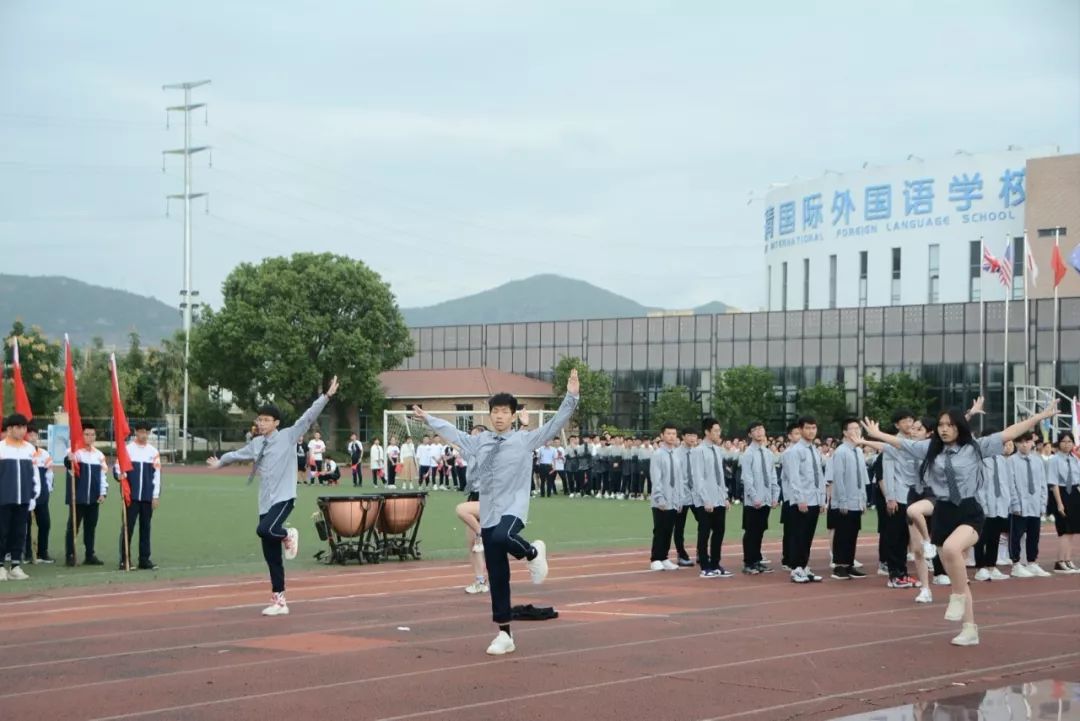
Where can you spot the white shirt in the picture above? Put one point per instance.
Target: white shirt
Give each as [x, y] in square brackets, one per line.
[408, 450]
[316, 447]
[393, 453]
[378, 456]
[560, 459]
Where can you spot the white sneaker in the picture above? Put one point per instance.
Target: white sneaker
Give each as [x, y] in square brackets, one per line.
[924, 596]
[277, 607]
[538, 568]
[3, 574]
[1036, 570]
[857, 564]
[669, 566]
[656, 566]
[929, 551]
[955, 609]
[291, 543]
[996, 575]
[502, 645]
[477, 587]
[478, 545]
[882, 569]
[942, 580]
[1019, 570]
[17, 574]
[983, 574]
[968, 636]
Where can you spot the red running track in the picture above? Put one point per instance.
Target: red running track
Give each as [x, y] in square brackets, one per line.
[629, 644]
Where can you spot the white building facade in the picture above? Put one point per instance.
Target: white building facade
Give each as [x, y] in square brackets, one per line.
[897, 235]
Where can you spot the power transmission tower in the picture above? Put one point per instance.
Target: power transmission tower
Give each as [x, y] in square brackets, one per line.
[187, 295]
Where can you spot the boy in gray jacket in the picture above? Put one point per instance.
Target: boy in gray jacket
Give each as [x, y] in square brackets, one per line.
[848, 474]
[667, 470]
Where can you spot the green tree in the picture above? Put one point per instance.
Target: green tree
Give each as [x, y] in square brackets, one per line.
[289, 324]
[827, 402]
[894, 391]
[595, 400]
[675, 405]
[742, 395]
[94, 382]
[42, 362]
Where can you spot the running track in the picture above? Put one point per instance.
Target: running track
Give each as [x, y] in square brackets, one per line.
[629, 644]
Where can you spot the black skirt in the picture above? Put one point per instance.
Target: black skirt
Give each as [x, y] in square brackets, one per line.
[1070, 522]
[948, 517]
[473, 497]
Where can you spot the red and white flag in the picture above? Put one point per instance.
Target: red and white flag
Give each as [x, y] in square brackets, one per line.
[1058, 265]
[22, 401]
[121, 431]
[1032, 268]
[71, 404]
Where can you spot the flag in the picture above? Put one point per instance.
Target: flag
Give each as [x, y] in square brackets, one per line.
[22, 402]
[1076, 418]
[1057, 264]
[121, 433]
[991, 264]
[71, 403]
[1032, 268]
[1006, 273]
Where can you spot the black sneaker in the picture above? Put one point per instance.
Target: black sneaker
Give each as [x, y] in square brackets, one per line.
[70, 561]
[147, 566]
[685, 562]
[856, 573]
[841, 573]
[723, 572]
[751, 570]
[93, 561]
[813, 577]
[1062, 567]
[763, 568]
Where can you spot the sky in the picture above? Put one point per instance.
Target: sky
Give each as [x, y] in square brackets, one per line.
[454, 146]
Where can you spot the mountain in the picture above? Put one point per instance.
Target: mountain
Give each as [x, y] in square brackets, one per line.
[541, 297]
[64, 305]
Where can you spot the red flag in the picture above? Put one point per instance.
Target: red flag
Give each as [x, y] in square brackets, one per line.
[122, 431]
[22, 402]
[1058, 265]
[71, 404]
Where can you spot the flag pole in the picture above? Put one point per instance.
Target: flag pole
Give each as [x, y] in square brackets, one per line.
[1054, 354]
[1005, 364]
[124, 528]
[982, 325]
[1027, 312]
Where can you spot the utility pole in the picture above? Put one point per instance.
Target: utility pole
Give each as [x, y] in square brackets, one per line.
[187, 295]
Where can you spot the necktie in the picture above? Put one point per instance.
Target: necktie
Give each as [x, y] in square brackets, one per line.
[997, 479]
[817, 466]
[764, 467]
[671, 464]
[1031, 478]
[689, 471]
[255, 465]
[716, 466]
[950, 479]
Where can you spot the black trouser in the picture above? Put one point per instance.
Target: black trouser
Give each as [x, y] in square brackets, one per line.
[272, 531]
[883, 543]
[357, 473]
[562, 475]
[1020, 526]
[142, 512]
[13, 519]
[499, 541]
[547, 481]
[86, 516]
[895, 536]
[754, 523]
[986, 548]
[599, 480]
[391, 472]
[846, 528]
[710, 536]
[44, 525]
[788, 534]
[458, 473]
[803, 527]
[425, 475]
[663, 523]
[680, 533]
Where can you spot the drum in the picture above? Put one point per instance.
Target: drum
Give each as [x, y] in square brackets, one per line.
[400, 511]
[351, 516]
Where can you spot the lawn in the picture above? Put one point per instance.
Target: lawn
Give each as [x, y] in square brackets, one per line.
[205, 526]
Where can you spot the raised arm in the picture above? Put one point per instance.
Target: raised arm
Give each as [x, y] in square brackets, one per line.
[873, 429]
[296, 431]
[549, 430]
[1018, 429]
[450, 432]
[247, 453]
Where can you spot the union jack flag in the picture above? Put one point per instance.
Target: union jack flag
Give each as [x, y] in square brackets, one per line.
[997, 266]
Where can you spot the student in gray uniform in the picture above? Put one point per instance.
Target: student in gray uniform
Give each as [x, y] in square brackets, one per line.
[1064, 476]
[951, 464]
[848, 475]
[794, 433]
[995, 497]
[805, 478]
[761, 492]
[705, 465]
[667, 467]
[573, 451]
[502, 460]
[1028, 501]
[689, 441]
[899, 474]
[272, 453]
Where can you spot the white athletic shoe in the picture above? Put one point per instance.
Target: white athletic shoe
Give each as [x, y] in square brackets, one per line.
[955, 609]
[942, 580]
[502, 645]
[17, 574]
[968, 636]
[538, 567]
[656, 566]
[924, 596]
[3, 574]
[478, 545]
[277, 607]
[1019, 570]
[929, 551]
[477, 587]
[669, 566]
[1036, 570]
[983, 574]
[291, 543]
[856, 564]
[996, 575]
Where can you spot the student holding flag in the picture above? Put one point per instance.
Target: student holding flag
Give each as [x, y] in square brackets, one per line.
[143, 479]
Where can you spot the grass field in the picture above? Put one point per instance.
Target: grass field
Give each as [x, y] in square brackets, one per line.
[206, 526]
